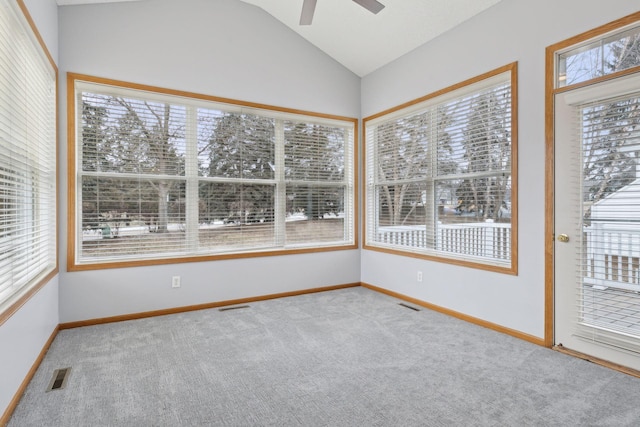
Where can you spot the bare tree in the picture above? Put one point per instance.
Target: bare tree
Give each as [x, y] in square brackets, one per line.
[403, 164]
[132, 136]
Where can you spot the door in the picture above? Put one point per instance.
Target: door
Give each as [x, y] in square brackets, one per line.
[597, 220]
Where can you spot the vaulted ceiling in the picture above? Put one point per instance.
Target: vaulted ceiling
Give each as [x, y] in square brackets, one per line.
[358, 39]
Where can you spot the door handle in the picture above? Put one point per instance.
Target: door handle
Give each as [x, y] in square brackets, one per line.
[563, 238]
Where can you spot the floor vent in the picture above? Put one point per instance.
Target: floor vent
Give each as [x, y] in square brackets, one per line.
[237, 307]
[59, 379]
[408, 306]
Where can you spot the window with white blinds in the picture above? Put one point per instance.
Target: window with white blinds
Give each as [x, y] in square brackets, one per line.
[440, 175]
[610, 251]
[164, 176]
[27, 157]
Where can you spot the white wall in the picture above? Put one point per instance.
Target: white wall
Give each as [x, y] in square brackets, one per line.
[24, 334]
[22, 338]
[216, 47]
[513, 30]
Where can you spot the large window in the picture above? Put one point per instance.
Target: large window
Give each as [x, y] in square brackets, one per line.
[441, 175]
[168, 176]
[27, 158]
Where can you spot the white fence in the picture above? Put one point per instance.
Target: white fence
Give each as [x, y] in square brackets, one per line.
[482, 239]
[611, 255]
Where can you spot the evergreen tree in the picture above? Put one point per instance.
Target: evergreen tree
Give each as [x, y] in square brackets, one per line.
[314, 154]
[237, 146]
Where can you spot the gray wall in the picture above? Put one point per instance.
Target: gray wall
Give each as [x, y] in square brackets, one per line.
[512, 30]
[24, 334]
[216, 47]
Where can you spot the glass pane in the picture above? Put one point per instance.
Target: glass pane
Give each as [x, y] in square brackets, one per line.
[475, 199]
[474, 217]
[610, 138]
[314, 214]
[235, 216]
[405, 215]
[123, 217]
[601, 57]
[610, 249]
[128, 135]
[474, 133]
[402, 204]
[402, 148]
[313, 152]
[232, 145]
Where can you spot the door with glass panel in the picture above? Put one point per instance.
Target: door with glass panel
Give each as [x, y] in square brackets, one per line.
[597, 220]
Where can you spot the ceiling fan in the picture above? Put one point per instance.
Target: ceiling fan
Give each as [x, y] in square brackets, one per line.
[309, 6]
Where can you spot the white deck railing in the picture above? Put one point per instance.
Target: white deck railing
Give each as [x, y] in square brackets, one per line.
[612, 255]
[482, 239]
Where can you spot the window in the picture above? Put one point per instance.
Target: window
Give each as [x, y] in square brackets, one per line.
[441, 175]
[168, 176]
[610, 54]
[27, 158]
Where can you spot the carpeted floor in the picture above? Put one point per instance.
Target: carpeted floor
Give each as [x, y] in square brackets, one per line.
[351, 357]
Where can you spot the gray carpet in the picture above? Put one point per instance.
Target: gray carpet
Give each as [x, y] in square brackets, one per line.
[351, 357]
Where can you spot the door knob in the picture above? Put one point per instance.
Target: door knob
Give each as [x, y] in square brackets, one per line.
[563, 238]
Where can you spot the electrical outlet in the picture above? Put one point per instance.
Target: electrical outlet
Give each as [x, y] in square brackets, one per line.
[419, 278]
[175, 282]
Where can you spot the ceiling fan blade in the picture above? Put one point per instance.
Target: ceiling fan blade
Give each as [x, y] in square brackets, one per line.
[308, 7]
[373, 6]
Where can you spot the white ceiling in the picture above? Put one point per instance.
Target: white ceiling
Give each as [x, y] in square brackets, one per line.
[358, 39]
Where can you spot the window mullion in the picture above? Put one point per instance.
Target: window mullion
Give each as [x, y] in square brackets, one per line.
[78, 159]
[280, 207]
[191, 175]
[432, 161]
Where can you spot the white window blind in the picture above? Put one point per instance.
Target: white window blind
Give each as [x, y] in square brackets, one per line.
[609, 263]
[163, 176]
[27, 157]
[439, 175]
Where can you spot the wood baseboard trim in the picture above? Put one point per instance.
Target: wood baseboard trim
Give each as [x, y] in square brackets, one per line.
[184, 309]
[597, 361]
[4, 420]
[461, 316]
